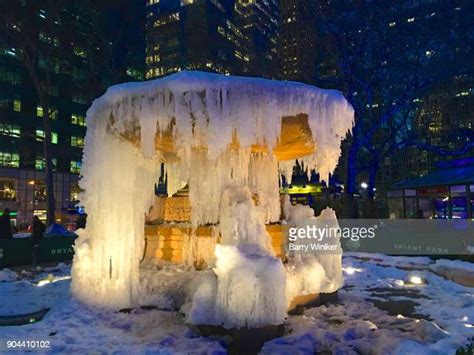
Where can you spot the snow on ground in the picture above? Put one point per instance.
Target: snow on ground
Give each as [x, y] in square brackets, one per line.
[455, 264]
[72, 327]
[387, 305]
[435, 317]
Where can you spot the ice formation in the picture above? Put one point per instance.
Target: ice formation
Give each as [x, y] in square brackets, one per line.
[217, 134]
[312, 272]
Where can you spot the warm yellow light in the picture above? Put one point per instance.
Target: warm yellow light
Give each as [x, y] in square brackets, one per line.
[31, 182]
[416, 280]
[51, 279]
[351, 270]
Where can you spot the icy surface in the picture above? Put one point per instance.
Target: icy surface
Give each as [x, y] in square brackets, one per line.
[213, 122]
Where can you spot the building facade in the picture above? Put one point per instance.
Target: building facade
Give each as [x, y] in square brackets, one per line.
[297, 41]
[73, 63]
[222, 36]
[22, 183]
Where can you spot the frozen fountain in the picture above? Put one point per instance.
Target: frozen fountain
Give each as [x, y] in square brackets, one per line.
[228, 139]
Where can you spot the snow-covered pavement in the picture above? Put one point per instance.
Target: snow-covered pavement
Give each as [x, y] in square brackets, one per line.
[387, 305]
[439, 317]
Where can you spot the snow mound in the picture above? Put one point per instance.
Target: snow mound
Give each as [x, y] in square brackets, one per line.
[7, 275]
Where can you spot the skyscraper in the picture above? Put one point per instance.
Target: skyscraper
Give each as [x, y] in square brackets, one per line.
[228, 37]
[297, 41]
[77, 70]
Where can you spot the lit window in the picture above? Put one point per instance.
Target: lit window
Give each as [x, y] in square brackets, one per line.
[78, 120]
[75, 166]
[10, 130]
[17, 105]
[40, 136]
[54, 138]
[9, 159]
[40, 163]
[391, 24]
[39, 111]
[39, 191]
[41, 214]
[7, 190]
[166, 19]
[411, 19]
[77, 141]
[74, 192]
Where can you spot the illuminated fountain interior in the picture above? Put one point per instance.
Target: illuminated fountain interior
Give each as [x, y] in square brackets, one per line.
[228, 139]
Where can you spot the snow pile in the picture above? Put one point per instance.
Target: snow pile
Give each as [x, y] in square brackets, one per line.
[8, 275]
[212, 124]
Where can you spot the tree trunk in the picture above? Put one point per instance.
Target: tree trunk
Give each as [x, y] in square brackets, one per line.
[42, 91]
[371, 207]
[350, 209]
[51, 201]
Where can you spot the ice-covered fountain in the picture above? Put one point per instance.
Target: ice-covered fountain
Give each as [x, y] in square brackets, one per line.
[228, 139]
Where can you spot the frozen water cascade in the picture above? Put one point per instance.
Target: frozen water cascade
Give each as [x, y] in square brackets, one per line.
[222, 136]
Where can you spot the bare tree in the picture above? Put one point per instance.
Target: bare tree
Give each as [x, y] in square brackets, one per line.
[388, 58]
